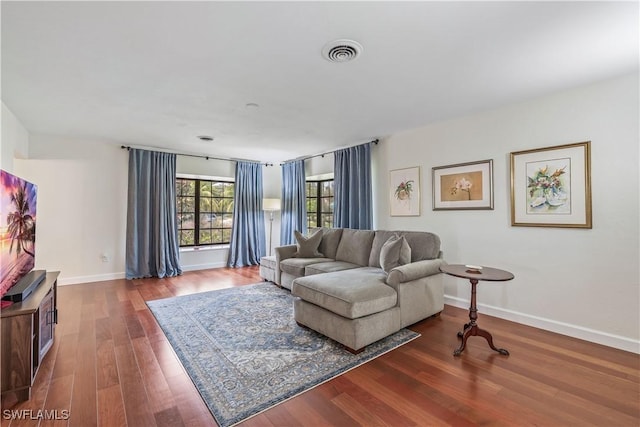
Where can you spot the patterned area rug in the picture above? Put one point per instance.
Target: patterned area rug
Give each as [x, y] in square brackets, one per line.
[245, 353]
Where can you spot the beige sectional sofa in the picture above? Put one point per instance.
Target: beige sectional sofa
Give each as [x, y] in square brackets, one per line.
[359, 286]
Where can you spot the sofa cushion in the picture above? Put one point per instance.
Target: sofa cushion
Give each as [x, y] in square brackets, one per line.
[296, 266]
[328, 267]
[330, 240]
[355, 246]
[352, 293]
[308, 246]
[395, 252]
[424, 245]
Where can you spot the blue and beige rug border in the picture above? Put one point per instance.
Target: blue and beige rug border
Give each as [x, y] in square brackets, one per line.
[199, 328]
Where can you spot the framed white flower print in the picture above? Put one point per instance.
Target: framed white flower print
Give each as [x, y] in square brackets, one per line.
[463, 186]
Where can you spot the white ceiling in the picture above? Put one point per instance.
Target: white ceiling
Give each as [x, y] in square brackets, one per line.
[161, 73]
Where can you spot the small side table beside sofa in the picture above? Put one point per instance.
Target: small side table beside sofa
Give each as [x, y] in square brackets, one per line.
[474, 275]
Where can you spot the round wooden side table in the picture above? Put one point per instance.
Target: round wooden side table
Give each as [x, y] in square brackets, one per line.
[471, 328]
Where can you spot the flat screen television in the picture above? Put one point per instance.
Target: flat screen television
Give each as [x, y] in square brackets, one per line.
[17, 230]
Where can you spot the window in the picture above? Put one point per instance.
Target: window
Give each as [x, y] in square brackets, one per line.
[320, 203]
[205, 211]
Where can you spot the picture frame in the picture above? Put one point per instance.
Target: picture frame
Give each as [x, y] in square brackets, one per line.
[404, 192]
[463, 186]
[551, 186]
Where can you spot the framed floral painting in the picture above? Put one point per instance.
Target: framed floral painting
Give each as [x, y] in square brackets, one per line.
[463, 186]
[404, 194]
[551, 187]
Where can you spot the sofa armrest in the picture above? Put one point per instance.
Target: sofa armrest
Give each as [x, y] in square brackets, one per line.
[282, 253]
[414, 271]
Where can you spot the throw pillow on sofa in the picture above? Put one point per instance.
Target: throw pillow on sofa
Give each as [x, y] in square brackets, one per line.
[394, 252]
[308, 246]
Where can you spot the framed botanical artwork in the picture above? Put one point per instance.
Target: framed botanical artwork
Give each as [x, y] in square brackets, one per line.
[404, 193]
[551, 187]
[463, 186]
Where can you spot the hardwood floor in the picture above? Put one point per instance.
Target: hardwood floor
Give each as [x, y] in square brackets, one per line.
[111, 365]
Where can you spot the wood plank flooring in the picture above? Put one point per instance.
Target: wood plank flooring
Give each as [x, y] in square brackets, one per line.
[111, 366]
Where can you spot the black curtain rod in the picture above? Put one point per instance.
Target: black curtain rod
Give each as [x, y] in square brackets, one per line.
[126, 147]
[375, 141]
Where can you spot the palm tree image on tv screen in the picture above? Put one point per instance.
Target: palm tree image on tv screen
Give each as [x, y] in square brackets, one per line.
[17, 229]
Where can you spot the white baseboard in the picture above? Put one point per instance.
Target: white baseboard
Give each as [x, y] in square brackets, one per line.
[88, 279]
[114, 276]
[599, 337]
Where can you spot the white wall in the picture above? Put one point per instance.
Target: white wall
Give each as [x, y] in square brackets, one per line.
[82, 206]
[319, 165]
[574, 281]
[15, 140]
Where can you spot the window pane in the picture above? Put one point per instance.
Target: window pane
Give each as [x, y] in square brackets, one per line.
[229, 189]
[312, 205]
[205, 188]
[216, 236]
[187, 221]
[217, 221]
[186, 238]
[217, 189]
[188, 204]
[189, 188]
[205, 237]
[226, 235]
[182, 219]
[205, 204]
[216, 204]
[312, 189]
[327, 204]
[222, 205]
[207, 220]
[327, 188]
[178, 186]
[311, 220]
[327, 220]
[227, 220]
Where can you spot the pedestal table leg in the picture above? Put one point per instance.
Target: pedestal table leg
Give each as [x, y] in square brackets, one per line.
[472, 329]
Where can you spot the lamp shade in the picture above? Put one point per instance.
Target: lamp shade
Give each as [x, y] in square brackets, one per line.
[271, 204]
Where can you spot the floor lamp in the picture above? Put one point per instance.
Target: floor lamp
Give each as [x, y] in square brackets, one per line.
[270, 205]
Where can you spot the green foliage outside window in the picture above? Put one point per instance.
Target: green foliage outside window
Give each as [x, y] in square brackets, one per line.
[319, 203]
[205, 211]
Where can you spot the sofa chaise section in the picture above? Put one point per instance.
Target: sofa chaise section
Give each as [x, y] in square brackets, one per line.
[356, 315]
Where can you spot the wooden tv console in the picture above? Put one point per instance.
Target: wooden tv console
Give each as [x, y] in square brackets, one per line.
[27, 332]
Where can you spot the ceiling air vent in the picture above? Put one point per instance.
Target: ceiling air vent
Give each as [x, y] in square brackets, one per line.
[341, 50]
